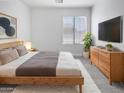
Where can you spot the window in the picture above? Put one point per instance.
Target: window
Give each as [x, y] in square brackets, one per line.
[73, 29]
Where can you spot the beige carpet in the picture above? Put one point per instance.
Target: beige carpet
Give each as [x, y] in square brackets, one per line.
[89, 86]
[45, 89]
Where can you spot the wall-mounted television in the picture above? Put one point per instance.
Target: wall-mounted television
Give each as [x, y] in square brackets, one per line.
[111, 30]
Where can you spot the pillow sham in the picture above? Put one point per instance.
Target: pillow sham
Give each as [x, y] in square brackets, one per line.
[8, 55]
[21, 50]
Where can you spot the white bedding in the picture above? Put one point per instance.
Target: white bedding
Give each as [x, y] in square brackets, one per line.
[66, 66]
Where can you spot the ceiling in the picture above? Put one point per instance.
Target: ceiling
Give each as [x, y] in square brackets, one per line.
[66, 3]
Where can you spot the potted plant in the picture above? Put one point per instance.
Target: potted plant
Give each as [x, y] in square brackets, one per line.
[109, 47]
[86, 44]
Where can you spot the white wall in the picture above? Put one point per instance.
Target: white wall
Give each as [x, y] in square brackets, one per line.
[47, 28]
[104, 10]
[22, 12]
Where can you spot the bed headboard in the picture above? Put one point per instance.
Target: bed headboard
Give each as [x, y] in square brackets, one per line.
[10, 44]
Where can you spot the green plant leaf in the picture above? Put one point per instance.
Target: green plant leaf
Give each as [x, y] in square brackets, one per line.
[87, 41]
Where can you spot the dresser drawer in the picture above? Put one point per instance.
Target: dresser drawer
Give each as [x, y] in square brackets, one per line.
[104, 59]
[94, 54]
[105, 65]
[106, 73]
[105, 54]
[94, 57]
[94, 60]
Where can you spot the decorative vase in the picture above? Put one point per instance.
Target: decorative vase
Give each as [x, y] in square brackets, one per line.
[86, 54]
[109, 49]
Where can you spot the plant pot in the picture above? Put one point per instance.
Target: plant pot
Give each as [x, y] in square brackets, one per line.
[86, 54]
[109, 49]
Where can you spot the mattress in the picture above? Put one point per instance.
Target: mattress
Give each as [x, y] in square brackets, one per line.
[66, 66]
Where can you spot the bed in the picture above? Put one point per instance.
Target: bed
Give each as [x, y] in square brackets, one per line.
[65, 74]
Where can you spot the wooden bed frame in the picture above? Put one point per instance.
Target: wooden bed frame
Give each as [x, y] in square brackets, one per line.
[58, 80]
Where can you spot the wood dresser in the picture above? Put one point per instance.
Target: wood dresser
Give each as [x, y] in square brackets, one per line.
[111, 63]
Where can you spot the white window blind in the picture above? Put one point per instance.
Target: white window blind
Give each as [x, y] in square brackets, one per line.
[73, 29]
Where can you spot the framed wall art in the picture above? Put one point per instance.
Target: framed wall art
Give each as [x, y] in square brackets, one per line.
[8, 26]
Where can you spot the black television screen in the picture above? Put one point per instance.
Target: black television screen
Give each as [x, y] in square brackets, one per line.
[111, 30]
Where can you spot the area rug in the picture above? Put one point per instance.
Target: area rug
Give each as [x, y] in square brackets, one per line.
[45, 89]
[89, 86]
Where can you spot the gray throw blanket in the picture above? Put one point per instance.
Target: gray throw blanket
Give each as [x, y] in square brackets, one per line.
[41, 64]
